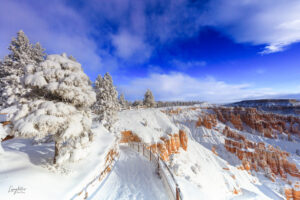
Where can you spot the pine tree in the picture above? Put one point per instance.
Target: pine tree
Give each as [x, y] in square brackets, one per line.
[37, 53]
[107, 103]
[60, 106]
[149, 99]
[123, 102]
[12, 68]
[137, 103]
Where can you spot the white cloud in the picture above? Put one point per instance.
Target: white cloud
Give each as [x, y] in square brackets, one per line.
[179, 86]
[129, 45]
[274, 23]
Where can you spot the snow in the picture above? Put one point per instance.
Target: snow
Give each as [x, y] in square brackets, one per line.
[133, 177]
[201, 167]
[200, 173]
[9, 112]
[63, 77]
[29, 166]
[149, 124]
[2, 135]
[62, 110]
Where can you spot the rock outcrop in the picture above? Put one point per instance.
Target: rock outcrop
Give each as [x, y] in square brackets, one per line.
[268, 124]
[293, 192]
[165, 147]
[256, 155]
[128, 136]
[208, 121]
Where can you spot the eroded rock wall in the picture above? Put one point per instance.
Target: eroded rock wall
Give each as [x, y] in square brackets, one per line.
[256, 155]
[293, 192]
[165, 147]
[268, 124]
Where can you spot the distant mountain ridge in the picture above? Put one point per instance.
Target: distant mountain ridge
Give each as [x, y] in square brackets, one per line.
[279, 106]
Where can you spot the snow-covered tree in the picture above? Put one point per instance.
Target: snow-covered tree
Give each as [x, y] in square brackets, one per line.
[123, 102]
[12, 68]
[107, 103]
[2, 136]
[37, 53]
[149, 99]
[61, 99]
[137, 103]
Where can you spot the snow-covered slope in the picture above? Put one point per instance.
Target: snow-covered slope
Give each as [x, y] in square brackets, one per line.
[133, 177]
[28, 166]
[209, 165]
[215, 161]
[207, 169]
[148, 124]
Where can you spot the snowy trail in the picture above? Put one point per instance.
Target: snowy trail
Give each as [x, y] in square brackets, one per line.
[133, 177]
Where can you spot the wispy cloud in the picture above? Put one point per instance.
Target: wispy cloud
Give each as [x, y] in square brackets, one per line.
[179, 86]
[273, 23]
[181, 65]
[130, 46]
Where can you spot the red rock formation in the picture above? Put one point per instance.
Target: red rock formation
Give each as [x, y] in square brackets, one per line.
[267, 124]
[183, 139]
[208, 121]
[128, 136]
[213, 149]
[253, 155]
[167, 145]
[236, 191]
[293, 192]
[8, 137]
[172, 112]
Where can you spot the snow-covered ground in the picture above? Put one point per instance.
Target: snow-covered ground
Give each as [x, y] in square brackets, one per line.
[201, 173]
[211, 172]
[148, 124]
[133, 178]
[28, 167]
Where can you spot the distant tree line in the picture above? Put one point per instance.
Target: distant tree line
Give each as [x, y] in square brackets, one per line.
[149, 102]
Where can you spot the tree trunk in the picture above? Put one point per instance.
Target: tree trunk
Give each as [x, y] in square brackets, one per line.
[55, 153]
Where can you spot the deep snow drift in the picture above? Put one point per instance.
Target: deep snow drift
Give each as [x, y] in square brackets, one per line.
[148, 124]
[133, 177]
[29, 166]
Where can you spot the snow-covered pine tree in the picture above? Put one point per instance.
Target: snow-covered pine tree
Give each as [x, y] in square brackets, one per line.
[149, 99]
[62, 96]
[38, 53]
[12, 68]
[123, 102]
[107, 103]
[137, 103]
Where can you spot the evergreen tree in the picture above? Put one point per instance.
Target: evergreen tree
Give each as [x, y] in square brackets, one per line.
[12, 68]
[60, 106]
[107, 103]
[123, 102]
[38, 54]
[149, 99]
[137, 103]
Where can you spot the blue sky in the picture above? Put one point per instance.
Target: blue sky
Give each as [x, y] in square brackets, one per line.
[211, 50]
